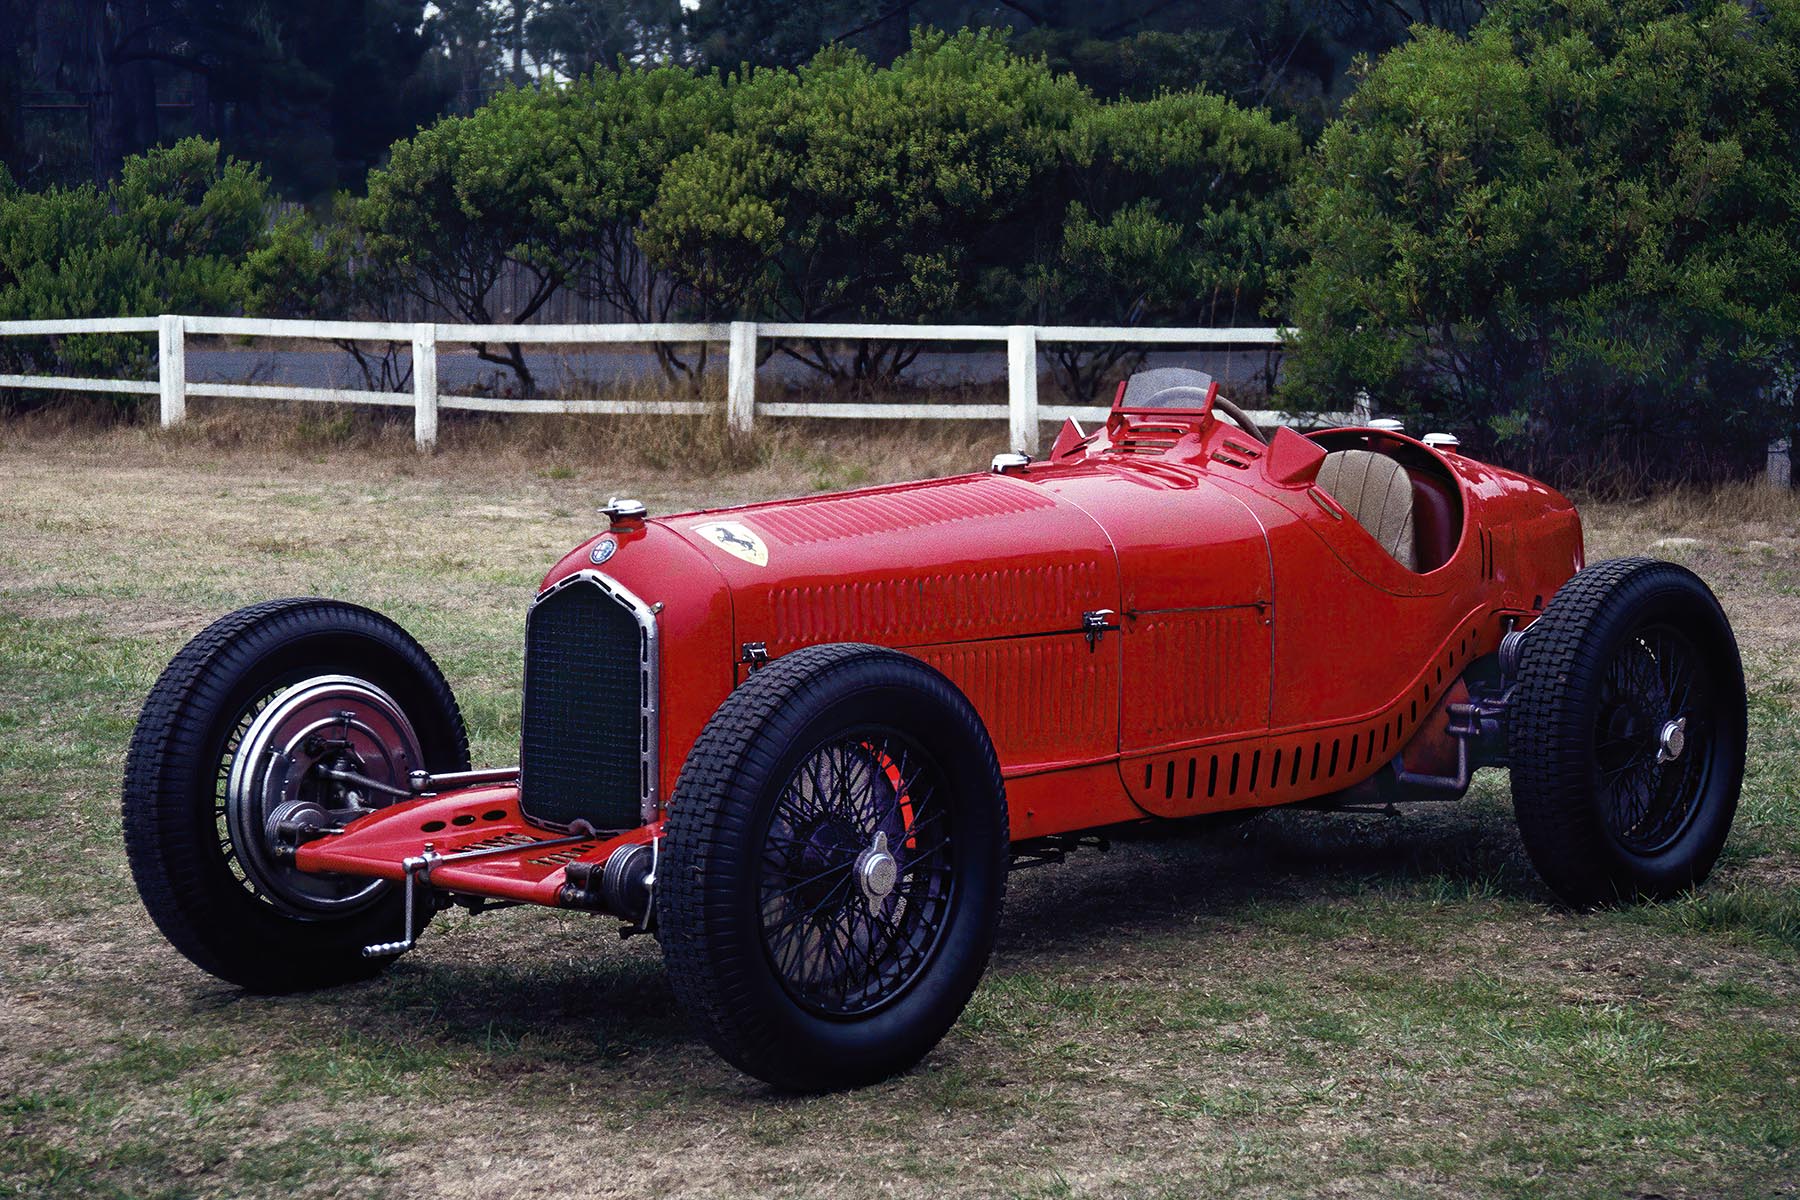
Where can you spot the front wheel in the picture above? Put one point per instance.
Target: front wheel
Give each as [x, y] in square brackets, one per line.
[276, 706]
[836, 858]
[1627, 733]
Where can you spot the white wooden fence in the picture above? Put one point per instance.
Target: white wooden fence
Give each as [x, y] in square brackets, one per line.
[1022, 411]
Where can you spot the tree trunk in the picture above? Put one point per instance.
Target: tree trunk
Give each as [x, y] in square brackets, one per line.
[106, 148]
[121, 94]
[514, 358]
[893, 35]
[135, 109]
[518, 41]
[13, 40]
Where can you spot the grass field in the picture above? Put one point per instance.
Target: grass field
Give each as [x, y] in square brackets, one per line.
[1310, 1004]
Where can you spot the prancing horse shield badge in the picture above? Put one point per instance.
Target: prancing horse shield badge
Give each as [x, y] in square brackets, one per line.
[737, 539]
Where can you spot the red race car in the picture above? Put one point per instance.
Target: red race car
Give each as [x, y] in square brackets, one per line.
[802, 743]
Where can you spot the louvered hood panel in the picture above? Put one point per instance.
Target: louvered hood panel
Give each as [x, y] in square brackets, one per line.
[951, 560]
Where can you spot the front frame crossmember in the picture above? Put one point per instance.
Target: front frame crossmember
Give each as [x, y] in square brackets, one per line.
[471, 844]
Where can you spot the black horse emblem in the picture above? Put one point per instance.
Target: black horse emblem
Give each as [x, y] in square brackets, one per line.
[728, 538]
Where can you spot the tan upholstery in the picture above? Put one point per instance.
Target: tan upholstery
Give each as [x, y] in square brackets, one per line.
[1378, 492]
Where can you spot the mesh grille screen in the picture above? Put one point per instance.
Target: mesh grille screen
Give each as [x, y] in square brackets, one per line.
[579, 753]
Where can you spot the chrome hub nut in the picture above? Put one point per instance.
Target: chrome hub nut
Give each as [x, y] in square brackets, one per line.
[877, 870]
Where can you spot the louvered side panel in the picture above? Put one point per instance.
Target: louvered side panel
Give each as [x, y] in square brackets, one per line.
[1046, 699]
[1193, 675]
[918, 609]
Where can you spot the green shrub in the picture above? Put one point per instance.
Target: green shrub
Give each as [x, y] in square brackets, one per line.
[620, 131]
[1174, 216]
[1574, 235]
[172, 235]
[963, 182]
[314, 266]
[461, 200]
[967, 181]
[845, 192]
[553, 183]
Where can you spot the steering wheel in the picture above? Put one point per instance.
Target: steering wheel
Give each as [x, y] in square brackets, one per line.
[1219, 403]
[1237, 414]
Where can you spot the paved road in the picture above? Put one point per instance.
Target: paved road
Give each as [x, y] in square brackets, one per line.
[572, 372]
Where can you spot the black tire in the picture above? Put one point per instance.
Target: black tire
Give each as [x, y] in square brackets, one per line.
[188, 869]
[1625, 648]
[735, 893]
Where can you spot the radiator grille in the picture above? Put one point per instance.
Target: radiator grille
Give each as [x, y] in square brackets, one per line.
[585, 742]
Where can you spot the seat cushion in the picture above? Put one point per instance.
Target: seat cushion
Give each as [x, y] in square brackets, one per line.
[1378, 493]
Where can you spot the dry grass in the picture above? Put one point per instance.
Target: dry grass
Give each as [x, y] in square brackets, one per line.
[796, 455]
[1309, 1005]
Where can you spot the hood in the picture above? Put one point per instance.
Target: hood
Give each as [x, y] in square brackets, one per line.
[950, 560]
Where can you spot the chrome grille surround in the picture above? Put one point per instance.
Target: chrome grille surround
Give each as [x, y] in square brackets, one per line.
[648, 733]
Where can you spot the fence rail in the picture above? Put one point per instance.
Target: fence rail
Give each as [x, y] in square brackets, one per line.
[1021, 343]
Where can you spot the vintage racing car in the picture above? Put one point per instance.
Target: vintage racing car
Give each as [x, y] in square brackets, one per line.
[802, 742]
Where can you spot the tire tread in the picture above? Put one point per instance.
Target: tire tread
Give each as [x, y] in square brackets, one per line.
[709, 975]
[1551, 767]
[173, 729]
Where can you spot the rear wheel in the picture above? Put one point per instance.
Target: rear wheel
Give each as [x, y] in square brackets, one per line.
[1628, 733]
[836, 857]
[247, 725]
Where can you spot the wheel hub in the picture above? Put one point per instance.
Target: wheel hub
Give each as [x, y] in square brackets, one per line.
[1671, 740]
[278, 779]
[877, 870]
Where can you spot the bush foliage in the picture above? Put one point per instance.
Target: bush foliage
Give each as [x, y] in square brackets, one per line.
[964, 182]
[1574, 235]
[175, 233]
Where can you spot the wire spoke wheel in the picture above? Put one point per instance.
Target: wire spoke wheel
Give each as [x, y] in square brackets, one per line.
[1653, 738]
[1627, 733]
[834, 867]
[857, 872]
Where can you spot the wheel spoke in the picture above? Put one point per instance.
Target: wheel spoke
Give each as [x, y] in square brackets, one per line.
[1654, 678]
[841, 940]
[843, 866]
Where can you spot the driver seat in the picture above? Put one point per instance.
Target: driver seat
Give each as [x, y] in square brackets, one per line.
[1378, 493]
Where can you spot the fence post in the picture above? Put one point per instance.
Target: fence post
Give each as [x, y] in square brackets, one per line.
[425, 385]
[171, 363]
[740, 378]
[1780, 470]
[1022, 386]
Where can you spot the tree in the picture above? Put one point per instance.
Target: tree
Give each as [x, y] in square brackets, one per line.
[469, 41]
[573, 37]
[172, 235]
[1574, 234]
[317, 90]
[1287, 54]
[461, 200]
[1174, 216]
[847, 192]
[729, 34]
